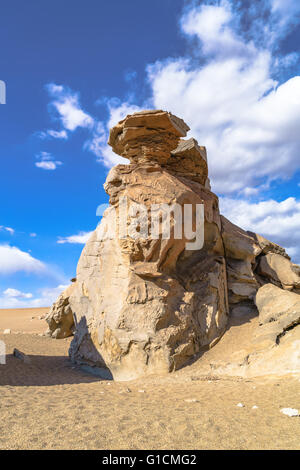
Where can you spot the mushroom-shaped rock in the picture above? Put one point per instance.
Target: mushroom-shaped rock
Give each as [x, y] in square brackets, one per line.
[147, 136]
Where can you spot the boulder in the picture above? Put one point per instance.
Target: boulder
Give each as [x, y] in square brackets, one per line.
[60, 318]
[253, 261]
[274, 303]
[279, 270]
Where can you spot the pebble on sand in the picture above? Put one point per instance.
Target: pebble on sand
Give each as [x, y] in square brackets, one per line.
[240, 405]
[7, 331]
[290, 412]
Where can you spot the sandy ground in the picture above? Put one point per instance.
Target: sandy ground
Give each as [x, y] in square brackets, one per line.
[25, 320]
[50, 404]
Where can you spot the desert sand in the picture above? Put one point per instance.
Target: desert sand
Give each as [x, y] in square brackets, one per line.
[25, 320]
[51, 404]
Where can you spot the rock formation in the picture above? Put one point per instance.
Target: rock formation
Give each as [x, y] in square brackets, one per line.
[273, 347]
[148, 303]
[60, 318]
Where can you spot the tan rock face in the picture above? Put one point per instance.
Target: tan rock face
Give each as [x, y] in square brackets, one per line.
[148, 305]
[274, 303]
[189, 160]
[60, 318]
[253, 261]
[279, 271]
[144, 302]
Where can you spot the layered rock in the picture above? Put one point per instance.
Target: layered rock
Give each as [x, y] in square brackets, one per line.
[147, 136]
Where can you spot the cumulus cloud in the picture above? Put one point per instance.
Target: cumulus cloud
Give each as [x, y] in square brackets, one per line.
[13, 298]
[97, 144]
[226, 92]
[46, 161]
[67, 106]
[48, 165]
[16, 294]
[277, 221]
[14, 260]
[81, 238]
[47, 296]
[227, 87]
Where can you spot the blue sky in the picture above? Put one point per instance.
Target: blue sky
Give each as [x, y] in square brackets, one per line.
[73, 69]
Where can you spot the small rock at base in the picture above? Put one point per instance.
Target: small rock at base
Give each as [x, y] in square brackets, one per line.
[240, 405]
[19, 355]
[290, 412]
[7, 331]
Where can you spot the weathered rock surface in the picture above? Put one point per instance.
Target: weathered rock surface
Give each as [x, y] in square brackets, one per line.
[273, 303]
[253, 261]
[148, 305]
[273, 347]
[277, 340]
[60, 318]
[145, 303]
[280, 271]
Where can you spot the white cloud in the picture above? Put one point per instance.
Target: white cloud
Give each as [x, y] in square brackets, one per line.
[14, 260]
[12, 298]
[47, 161]
[212, 24]
[10, 230]
[277, 221]
[15, 293]
[224, 88]
[226, 93]
[80, 238]
[50, 133]
[47, 296]
[98, 142]
[287, 13]
[48, 165]
[66, 104]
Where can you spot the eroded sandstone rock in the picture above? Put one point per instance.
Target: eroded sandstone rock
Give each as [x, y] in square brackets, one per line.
[279, 270]
[60, 318]
[147, 136]
[147, 304]
[253, 261]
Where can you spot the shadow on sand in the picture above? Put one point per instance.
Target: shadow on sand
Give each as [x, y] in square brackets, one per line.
[44, 371]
